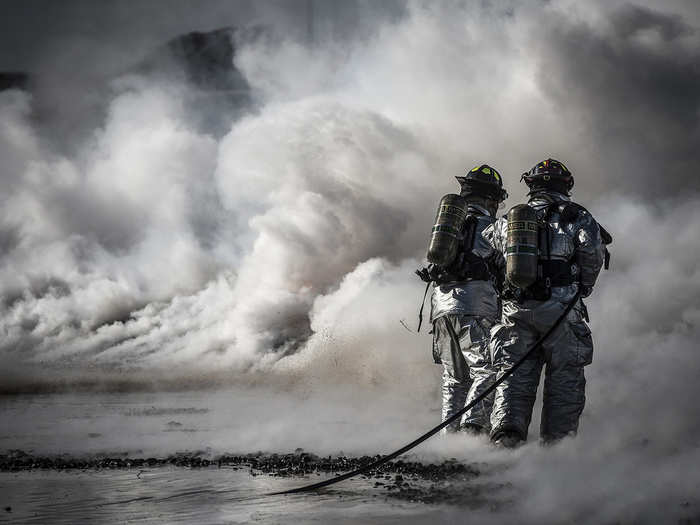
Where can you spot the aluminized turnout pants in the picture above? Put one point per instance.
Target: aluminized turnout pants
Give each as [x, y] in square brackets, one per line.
[564, 355]
[467, 370]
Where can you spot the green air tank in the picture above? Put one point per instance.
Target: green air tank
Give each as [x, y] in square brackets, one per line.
[521, 246]
[447, 232]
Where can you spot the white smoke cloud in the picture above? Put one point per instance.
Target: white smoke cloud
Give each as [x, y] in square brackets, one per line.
[282, 253]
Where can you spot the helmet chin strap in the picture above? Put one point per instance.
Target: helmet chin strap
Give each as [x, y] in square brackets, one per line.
[545, 193]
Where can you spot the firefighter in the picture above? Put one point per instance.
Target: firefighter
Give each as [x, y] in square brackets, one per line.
[566, 255]
[464, 303]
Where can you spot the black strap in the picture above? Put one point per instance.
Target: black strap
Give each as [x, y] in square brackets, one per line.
[385, 459]
[605, 235]
[607, 239]
[422, 305]
[557, 271]
[470, 232]
[467, 264]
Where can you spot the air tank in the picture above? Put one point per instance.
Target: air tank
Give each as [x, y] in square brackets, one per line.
[521, 246]
[447, 232]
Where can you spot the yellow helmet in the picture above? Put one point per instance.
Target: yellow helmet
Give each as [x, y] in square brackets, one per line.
[483, 181]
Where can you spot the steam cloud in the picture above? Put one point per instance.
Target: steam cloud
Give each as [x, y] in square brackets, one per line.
[286, 246]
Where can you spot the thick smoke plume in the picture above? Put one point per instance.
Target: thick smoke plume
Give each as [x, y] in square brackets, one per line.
[280, 252]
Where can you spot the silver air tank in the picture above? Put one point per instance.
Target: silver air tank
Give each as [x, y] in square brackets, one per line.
[447, 232]
[521, 246]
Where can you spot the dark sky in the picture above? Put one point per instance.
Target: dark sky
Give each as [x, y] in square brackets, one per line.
[634, 80]
[34, 33]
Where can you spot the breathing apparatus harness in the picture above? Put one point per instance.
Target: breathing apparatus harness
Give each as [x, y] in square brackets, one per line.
[550, 272]
[531, 272]
[467, 266]
[451, 248]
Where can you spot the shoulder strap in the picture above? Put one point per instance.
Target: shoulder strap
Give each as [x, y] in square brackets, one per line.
[569, 211]
[470, 231]
[422, 304]
[605, 235]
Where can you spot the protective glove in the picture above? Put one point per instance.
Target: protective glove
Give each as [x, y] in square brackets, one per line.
[429, 274]
[423, 274]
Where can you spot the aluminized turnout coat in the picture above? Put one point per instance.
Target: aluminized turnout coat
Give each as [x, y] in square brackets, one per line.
[471, 307]
[567, 351]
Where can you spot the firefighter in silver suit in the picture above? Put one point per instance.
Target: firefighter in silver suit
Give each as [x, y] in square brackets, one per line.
[570, 253]
[465, 306]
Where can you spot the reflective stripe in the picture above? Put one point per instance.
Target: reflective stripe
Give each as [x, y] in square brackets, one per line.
[453, 210]
[524, 226]
[447, 229]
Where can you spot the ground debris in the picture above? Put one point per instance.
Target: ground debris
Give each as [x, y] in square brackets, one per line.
[449, 481]
[295, 464]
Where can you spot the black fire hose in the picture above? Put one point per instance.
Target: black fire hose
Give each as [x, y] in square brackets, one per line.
[455, 416]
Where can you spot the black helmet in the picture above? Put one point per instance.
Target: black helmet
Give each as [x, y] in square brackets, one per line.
[549, 174]
[483, 181]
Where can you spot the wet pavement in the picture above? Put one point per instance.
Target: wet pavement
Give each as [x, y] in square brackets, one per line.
[165, 457]
[413, 481]
[233, 489]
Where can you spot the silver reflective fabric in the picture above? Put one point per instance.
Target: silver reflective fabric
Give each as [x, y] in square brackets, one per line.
[566, 351]
[468, 298]
[471, 307]
[467, 370]
[581, 236]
